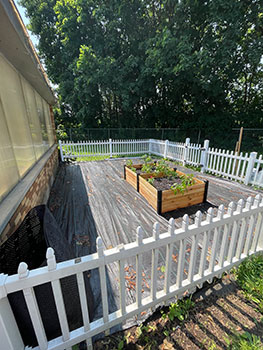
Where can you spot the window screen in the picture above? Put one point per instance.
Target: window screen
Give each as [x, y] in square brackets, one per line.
[16, 117]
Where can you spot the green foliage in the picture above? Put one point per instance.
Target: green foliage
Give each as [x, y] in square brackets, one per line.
[250, 278]
[179, 310]
[193, 167]
[148, 165]
[129, 164]
[164, 168]
[186, 181]
[244, 341]
[151, 180]
[188, 63]
[121, 345]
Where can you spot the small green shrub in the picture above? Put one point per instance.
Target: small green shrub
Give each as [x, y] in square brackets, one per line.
[179, 310]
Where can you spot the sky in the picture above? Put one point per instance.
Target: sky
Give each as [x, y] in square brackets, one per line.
[26, 22]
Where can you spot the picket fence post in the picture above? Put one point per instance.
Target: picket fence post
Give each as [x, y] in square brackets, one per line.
[186, 145]
[250, 167]
[110, 142]
[166, 144]
[150, 145]
[9, 333]
[204, 156]
[61, 150]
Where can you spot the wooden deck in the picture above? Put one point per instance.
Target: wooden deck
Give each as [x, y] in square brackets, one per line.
[91, 199]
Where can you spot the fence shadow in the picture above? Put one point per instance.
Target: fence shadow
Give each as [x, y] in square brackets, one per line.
[190, 211]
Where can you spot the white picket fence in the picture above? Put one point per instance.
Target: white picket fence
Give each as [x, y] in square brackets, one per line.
[107, 148]
[239, 167]
[217, 243]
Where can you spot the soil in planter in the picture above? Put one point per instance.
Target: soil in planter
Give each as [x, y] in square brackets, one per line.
[165, 183]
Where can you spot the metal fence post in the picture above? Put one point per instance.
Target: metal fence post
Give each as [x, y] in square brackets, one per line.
[110, 142]
[61, 150]
[186, 145]
[9, 332]
[204, 156]
[166, 144]
[250, 167]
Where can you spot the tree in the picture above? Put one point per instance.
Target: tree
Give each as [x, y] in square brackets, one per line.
[138, 63]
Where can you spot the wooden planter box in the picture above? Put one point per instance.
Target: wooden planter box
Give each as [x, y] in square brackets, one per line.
[132, 177]
[164, 201]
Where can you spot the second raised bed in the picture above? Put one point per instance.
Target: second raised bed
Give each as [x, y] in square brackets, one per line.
[165, 200]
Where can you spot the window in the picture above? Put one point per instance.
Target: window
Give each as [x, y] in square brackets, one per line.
[25, 127]
[9, 175]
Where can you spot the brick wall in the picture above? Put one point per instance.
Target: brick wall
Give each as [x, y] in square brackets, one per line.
[37, 194]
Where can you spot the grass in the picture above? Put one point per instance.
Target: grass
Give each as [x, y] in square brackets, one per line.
[230, 321]
[250, 278]
[244, 341]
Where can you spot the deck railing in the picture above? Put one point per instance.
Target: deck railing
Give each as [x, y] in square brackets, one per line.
[217, 242]
[239, 167]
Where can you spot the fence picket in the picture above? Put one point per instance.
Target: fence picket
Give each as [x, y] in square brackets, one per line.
[181, 256]
[243, 230]
[169, 252]
[194, 247]
[227, 229]
[258, 224]
[103, 285]
[122, 283]
[139, 268]
[33, 309]
[206, 238]
[220, 214]
[234, 236]
[58, 297]
[155, 255]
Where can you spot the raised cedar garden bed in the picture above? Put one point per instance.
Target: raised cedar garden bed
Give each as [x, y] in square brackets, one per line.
[165, 200]
[132, 177]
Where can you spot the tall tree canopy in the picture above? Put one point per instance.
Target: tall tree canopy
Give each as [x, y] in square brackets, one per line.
[167, 63]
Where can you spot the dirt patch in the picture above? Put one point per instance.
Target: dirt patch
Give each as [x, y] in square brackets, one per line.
[165, 183]
[210, 324]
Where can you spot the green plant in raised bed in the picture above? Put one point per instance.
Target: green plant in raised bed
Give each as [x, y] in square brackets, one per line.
[147, 166]
[163, 168]
[151, 180]
[129, 164]
[186, 181]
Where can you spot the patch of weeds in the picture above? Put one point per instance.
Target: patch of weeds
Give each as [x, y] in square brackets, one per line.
[249, 277]
[179, 310]
[193, 167]
[244, 341]
[144, 335]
